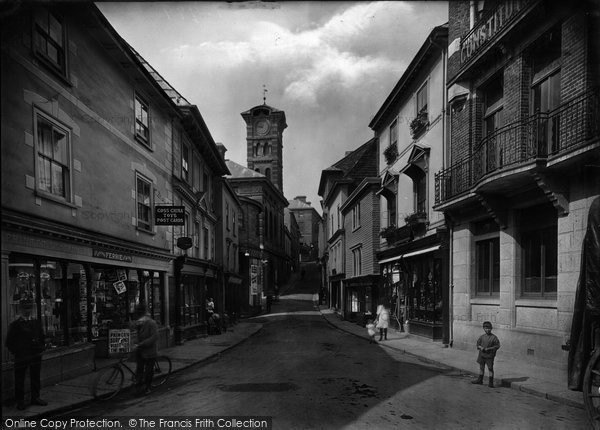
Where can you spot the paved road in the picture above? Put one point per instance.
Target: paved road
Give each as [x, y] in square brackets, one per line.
[308, 375]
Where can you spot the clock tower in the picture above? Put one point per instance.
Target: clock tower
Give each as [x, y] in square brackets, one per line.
[264, 141]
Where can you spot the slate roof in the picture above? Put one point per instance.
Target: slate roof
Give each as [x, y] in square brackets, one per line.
[357, 165]
[239, 171]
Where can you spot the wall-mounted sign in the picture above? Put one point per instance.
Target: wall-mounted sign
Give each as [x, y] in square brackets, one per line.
[169, 215]
[111, 255]
[184, 242]
[487, 28]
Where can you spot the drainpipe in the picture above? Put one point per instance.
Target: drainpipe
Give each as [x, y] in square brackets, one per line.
[472, 11]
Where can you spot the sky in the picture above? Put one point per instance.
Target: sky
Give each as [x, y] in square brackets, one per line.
[328, 65]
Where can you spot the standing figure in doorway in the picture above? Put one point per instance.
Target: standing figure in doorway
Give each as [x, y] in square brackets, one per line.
[25, 339]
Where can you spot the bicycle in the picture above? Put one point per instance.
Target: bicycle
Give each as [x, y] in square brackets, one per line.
[591, 378]
[109, 382]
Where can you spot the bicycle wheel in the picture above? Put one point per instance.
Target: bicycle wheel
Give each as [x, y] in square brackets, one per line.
[162, 371]
[108, 383]
[591, 390]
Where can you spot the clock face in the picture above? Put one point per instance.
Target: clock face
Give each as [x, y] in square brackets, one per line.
[262, 126]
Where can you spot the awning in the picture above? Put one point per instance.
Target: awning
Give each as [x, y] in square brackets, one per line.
[410, 254]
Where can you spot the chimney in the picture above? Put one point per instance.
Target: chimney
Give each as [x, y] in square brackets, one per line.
[348, 153]
[300, 198]
[222, 150]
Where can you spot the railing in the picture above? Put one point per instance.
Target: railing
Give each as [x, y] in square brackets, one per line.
[541, 135]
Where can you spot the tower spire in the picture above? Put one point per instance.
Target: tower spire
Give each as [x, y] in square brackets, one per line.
[264, 94]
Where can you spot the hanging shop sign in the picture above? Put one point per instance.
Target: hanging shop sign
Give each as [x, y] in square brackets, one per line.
[253, 279]
[111, 255]
[169, 215]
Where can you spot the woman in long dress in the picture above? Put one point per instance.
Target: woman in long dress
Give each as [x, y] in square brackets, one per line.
[383, 321]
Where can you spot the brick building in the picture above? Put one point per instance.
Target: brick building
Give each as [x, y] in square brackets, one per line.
[521, 169]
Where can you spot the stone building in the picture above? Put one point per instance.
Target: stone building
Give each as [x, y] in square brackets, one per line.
[86, 154]
[411, 127]
[308, 221]
[521, 169]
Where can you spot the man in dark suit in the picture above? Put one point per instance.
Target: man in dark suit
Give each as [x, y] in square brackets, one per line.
[25, 339]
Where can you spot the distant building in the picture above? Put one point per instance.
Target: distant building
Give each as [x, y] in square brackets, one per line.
[308, 222]
[338, 182]
[294, 231]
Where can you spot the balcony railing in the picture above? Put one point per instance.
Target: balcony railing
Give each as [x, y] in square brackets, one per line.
[541, 135]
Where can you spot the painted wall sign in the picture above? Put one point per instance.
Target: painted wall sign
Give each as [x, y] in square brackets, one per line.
[169, 215]
[488, 28]
[111, 255]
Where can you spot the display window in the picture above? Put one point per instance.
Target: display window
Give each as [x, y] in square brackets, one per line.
[191, 301]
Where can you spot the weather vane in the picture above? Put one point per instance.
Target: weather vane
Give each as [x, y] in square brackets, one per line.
[265, 94]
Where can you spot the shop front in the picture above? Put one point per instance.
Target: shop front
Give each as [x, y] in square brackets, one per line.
[81, 292]
[360, 298]
[335, 292]
[195, 282]
[415, 283]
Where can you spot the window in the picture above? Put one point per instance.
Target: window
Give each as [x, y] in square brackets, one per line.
[49, 40]
[493, 99]
[487, 258]
[394, 133]
[233, 219]
[227, 215]
[196, 172]
[356, 216]
[268, 173]
[142, 130]
[545, 88]
[539, 250]
[420, 190]
[53, 158]
[197, 239]
[422, 100]
[144, 204]
[205, 240]
[185, 158]
[357, 261]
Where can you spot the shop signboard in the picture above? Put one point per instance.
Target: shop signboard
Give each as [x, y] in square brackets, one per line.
[169, 215]
[119, 341]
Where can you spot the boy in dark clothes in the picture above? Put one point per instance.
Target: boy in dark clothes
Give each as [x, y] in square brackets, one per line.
[487, 344]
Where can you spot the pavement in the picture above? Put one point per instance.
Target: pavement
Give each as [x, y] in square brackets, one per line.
[536, 380]
[70, 394]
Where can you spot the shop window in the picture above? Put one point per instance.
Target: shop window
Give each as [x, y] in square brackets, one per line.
[142, 129]
[144, 204]
[22, 284]
[49, 40]
[354, 302]
[539, 250]
[53, 157]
